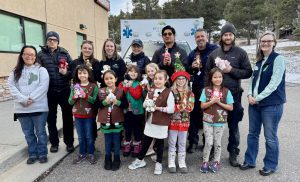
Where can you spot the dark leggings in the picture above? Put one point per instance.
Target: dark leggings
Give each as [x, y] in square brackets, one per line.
[133, 124]
[146, 144]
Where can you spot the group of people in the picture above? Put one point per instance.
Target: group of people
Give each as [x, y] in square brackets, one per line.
[179, 94]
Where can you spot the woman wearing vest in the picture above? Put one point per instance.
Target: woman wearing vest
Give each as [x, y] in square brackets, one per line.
[266, 97]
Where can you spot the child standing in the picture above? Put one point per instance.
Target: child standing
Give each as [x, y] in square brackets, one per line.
[110, 114]
[180, 120]
[158, 121]
[83, 96]
[134, 116]
[216, 101]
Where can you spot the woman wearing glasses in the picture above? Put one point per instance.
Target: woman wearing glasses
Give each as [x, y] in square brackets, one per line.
[111, 60]
[266, 97]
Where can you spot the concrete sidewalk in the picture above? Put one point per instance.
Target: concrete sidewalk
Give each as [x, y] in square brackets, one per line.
[13, 148]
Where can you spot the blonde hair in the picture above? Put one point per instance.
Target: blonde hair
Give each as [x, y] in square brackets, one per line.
[186, 86]
[151, 65]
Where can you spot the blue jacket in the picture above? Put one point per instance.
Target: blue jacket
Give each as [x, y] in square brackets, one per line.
[276, 97]
[198, 80]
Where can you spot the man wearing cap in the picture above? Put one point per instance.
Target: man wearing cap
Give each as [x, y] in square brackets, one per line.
[165, 56]
[238, 67]
[138, 57]
[56, 60]
[196, 62]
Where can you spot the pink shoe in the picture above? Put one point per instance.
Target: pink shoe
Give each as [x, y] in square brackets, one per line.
[127, 148]
[137, 147]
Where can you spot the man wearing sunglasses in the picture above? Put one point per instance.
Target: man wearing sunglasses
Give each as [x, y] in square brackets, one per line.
[165, 56]
[56, 60]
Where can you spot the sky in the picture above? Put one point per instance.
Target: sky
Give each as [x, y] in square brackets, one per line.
[117, 5]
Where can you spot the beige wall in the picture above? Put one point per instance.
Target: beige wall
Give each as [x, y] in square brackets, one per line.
[63, 16]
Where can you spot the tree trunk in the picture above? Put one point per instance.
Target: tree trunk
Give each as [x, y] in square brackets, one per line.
[249, 33]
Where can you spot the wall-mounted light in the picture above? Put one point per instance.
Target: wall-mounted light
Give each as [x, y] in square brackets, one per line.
[82, 26]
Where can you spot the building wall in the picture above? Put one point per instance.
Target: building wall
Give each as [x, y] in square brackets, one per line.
[63, 16]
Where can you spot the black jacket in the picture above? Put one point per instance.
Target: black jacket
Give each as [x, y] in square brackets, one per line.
[117, 65]
[140, 60]
[50, 60]
[95, 65]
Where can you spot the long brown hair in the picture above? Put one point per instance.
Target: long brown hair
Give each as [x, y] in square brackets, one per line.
[104, 55]
[20, 64]
[91, 58]
[210, 75]
[259, 53]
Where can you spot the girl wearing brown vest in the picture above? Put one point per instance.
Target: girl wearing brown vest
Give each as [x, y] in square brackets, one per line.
[157, 122]
[112, 102]
[216, 101]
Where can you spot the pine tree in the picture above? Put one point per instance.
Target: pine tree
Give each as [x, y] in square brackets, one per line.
[296, 23]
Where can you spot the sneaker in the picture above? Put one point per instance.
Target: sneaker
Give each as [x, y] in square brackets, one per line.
[127, 149]
[136, 149]
[158, 168]
[43, 159]
[215, 166]
[204, 167]
[233, 160]
[137, 164]
[92, 159]
[79, 159]
[31, 160]
[70, 148]
[53, 149]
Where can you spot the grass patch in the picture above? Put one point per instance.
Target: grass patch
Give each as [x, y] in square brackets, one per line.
[290, 48]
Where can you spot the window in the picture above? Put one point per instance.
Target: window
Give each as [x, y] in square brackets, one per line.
[80, 38]
[17, 31]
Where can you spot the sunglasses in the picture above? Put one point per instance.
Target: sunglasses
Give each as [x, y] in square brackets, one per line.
[169, 34]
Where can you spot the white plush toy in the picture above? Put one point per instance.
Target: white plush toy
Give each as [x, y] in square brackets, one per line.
[111, 96]
[222, 64]
[145, 80]
[105, 68]
[150, 106]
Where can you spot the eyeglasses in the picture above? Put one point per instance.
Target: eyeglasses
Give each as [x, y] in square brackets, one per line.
[169, 34]
[266, 41]
[28, 55]
[52, 40]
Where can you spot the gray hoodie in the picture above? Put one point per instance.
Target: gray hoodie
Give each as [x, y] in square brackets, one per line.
[33, 83]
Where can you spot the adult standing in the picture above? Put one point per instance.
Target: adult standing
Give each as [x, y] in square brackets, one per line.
[56, 60]
[111, 60]
[239, 67]
[28, 83]
[164, 57]
[266, 97]
[196, 62]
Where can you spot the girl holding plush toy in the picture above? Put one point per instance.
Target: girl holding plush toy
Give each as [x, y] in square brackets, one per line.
[112, 102]
[83, 96]
[157, 122]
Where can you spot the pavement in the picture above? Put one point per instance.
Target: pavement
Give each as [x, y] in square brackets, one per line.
[60, 167]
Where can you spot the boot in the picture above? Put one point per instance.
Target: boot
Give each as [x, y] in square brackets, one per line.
[127, 148]
[136, 149]
[116, 163]
[108, 162]
[171, 162]
[233, 160]
[190, 149]
[181, 162]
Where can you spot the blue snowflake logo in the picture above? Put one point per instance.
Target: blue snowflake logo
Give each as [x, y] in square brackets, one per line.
[127, 32]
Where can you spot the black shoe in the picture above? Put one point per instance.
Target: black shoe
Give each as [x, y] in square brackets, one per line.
[190, 149]
[92, 159]
[233, 160]
[108, 162]
[43, 159]
[246, 166]
[116, 163]
[31, 160]
[53, 149]
[70, 148]
[265, 172]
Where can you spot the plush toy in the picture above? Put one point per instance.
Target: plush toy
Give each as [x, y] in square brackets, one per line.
[78, 91]
[62, 63]
[88, 63]
[145, 81]
[222, 64]
[216, 94]
[167, 54]
[150, 106]
[110, 95]
[105, 68]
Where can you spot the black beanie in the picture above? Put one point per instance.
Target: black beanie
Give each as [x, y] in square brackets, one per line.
[52, 34]
[228, 27]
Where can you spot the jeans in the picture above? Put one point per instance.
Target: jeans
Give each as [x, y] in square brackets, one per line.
[85, 131]
[234, 117]
[112, 140]
[56, 98]
[34, 129]
[269, 117]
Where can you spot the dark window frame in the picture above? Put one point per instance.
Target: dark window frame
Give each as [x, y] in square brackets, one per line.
[22, 19]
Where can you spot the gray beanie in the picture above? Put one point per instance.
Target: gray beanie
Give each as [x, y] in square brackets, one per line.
[228, 27]
[52, 34]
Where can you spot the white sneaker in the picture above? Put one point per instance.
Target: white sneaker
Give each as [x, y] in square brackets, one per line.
[137, 164]
[158, 168]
